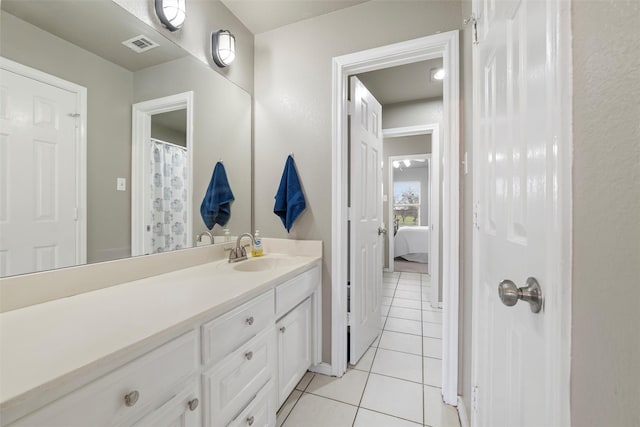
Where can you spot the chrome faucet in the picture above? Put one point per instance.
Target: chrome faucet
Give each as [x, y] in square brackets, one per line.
[239, 253]
[201, 235]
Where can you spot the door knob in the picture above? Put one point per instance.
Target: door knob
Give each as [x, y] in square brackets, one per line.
[509, 294]
[382, 230]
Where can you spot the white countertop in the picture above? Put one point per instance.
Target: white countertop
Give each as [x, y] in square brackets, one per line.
[44, 344]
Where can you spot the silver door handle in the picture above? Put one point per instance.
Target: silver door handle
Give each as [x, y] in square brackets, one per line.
[509, 294]
[382, 231]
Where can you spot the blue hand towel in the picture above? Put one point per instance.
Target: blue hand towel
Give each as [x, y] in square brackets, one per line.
[289, 199]
[216, 205]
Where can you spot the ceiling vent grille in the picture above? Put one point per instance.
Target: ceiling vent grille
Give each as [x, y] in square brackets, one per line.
[140, 44]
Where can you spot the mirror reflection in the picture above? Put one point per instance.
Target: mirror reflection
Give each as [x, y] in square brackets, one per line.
[76, 170]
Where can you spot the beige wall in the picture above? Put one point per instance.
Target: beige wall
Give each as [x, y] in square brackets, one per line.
[293, 106]
[412, 113]
[166, 134]
[222, 130]
[109, 97]
[203, 17]
[418, 144]
[605, 366]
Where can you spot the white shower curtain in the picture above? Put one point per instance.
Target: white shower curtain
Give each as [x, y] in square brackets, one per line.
[168, 192]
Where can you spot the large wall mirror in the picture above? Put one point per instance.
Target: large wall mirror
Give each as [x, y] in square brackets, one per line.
[69, 136]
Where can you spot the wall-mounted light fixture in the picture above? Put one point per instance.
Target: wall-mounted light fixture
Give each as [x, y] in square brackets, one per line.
[223, 47]
[437, 74]
[171, 13]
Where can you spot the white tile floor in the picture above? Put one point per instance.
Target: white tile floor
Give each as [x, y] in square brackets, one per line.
[397, 381]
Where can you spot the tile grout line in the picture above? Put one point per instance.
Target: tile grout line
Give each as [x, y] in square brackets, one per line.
[297, 400]
[392, 416]
[372, 361]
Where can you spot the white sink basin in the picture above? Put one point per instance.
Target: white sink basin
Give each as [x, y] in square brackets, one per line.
[258, 264]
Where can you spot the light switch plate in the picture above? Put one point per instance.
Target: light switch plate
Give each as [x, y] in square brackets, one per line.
[121, 184]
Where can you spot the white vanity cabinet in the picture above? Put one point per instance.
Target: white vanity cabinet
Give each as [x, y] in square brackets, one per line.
[128, 393]
[231, 369]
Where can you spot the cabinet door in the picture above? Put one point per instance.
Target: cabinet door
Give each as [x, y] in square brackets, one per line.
[294, 348]
[183, 410]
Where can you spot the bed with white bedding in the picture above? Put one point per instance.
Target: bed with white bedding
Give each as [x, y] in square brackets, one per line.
[412, 243]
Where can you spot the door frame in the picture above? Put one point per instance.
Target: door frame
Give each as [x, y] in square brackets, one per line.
[140, 133]
[446, 46]
[81, 144]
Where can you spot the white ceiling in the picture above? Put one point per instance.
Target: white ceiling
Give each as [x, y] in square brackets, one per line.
[264, 15]
[404, 83]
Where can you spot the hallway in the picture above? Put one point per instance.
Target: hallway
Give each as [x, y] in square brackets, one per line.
[396, 383]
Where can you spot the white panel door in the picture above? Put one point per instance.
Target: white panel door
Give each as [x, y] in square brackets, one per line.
[38, 188]
[517, 170]
[366, 218]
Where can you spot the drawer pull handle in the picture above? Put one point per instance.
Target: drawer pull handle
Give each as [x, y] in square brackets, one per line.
[193, 404]
[283, 329]
[248, 355]
[131, 398]
[250, 420]
[249, 320]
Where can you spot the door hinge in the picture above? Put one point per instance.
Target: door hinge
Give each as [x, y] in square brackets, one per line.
[77, 117]
[474, 27]
[476, 219]
[76, 213]
[349, 106]
[474, 399]
[348, 318]
[349, 215]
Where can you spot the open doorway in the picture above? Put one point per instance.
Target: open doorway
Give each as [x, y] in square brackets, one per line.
[444, 46]
[162, 174]
[409, 205]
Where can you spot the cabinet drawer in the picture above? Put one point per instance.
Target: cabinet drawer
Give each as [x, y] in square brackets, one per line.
[181, 410]
[261, 411]
[291, 292]
[146, 381]
[226, 333]
[230, 384]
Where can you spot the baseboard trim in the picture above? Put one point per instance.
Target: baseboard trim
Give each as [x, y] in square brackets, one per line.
[323, 368]
[462, 413]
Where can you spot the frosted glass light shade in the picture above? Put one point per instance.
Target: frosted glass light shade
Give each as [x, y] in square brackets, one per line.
[437, 74]
[171, 13]
[223, 48]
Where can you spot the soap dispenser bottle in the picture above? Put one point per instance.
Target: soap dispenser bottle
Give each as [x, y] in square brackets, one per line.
[257, 248]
